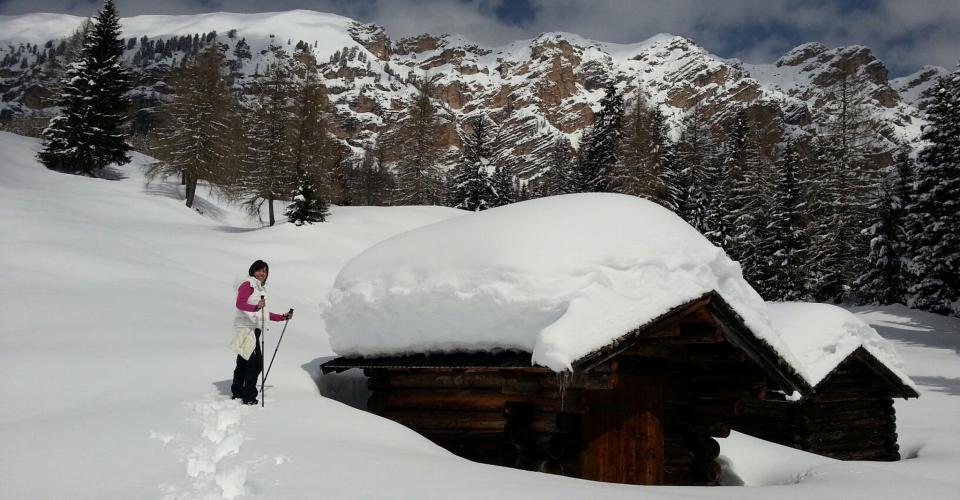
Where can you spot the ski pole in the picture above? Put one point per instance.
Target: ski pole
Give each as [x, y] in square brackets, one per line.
[277, 348]
[263, 345]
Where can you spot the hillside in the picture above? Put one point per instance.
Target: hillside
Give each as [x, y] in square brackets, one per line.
[117, 308]
[535, 90]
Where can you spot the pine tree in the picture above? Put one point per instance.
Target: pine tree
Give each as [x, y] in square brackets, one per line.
[557, 178]
[238, 116]
[717, 221]
[636, 165]
[695, 156]
[87, 135]
[935, 213]
[308, 205]
[267, 169]
[886, 278]
[67, 53]
[373, 182]
[848, 145]
[342, 179]
[671, 176]
[760, 267]
[66, 140]
[473, 189]
[598, 159]
[241, 51]
[786, 242]
[641, 171]
[194, 142]
[505, 187]
[823, 186]
[312, 150]
[744, 170]
[661, 184]
[419, 178]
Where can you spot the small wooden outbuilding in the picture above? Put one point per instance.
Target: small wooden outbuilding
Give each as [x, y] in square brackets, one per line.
[849, 416]
[644, 409]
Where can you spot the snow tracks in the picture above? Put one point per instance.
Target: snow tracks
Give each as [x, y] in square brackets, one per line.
[215, 467]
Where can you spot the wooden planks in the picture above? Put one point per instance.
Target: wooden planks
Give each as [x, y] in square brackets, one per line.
[622, 434]
[842, 424]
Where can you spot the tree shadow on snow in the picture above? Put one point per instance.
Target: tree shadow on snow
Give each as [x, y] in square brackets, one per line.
[111, 174]
[106, 173]
[349, 387]
[945, 385]
[937, 340]
[918, 333]
[235, 229]
[175, 191]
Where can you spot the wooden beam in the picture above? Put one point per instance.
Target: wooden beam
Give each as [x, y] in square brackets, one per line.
[650, 351]
[384, 379]
[590, 361]
[471, 400]
[448, 420]
[732, 326]
[692, 336]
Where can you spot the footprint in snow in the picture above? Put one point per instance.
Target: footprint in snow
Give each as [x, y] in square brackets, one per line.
[210, 456]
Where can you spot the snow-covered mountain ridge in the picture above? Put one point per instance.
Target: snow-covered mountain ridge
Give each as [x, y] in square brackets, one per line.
[535, 90]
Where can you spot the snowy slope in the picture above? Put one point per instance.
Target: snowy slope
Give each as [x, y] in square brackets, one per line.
[913, 86]
[296, 24]
[113, 359]
[535, 90]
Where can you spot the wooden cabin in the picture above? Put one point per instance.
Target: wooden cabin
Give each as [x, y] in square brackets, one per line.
[849, 416]
[644, 409]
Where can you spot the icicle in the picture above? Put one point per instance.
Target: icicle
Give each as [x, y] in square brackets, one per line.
[562, 380]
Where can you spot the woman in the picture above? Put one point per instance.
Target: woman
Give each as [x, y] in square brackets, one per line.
[251, 298]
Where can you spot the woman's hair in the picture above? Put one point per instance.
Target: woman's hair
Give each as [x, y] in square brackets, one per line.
[258, 265]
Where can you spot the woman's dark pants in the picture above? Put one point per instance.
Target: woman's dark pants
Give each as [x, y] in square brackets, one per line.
[245, 374]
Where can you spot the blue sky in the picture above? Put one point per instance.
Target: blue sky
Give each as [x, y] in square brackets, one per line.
[904, 34]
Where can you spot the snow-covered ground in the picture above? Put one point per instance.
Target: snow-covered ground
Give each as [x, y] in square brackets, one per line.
[116, 311]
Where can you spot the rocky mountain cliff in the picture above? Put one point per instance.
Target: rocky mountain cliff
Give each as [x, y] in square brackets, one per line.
[534, 90]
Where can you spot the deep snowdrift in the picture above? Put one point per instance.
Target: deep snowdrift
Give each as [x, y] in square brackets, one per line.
[558, 277]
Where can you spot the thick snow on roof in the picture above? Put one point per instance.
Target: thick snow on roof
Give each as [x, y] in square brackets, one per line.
[558, 277]
[823, 335]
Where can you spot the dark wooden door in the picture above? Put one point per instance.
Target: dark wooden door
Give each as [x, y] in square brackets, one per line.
[623, 433]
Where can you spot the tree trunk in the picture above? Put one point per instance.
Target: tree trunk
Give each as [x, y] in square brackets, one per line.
[190, 182]
[270, 209]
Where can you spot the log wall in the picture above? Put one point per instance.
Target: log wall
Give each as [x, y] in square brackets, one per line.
[851, 417]
[648, 415]
[527, 420]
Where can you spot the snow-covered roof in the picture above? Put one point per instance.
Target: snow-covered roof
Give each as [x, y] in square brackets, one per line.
[822, 336]
[558, 277]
